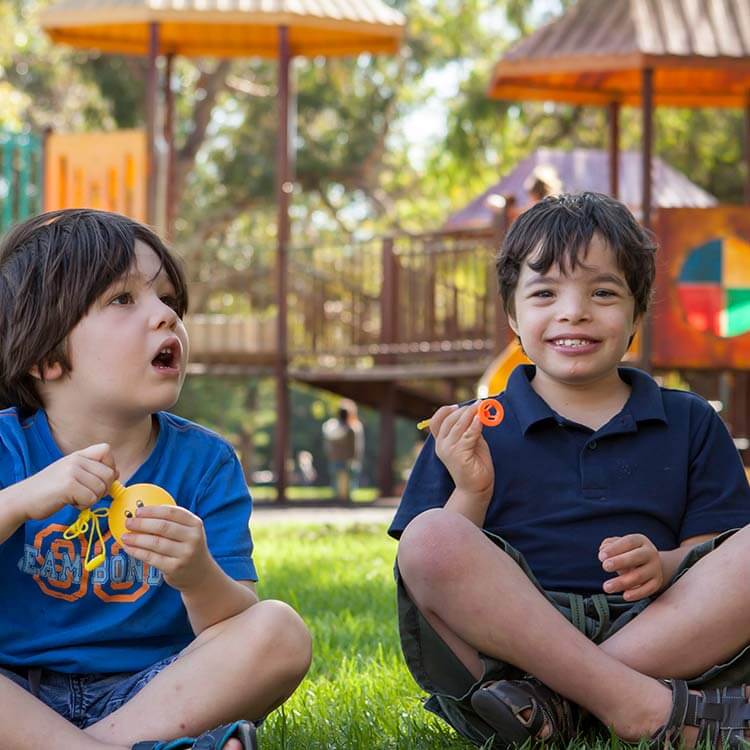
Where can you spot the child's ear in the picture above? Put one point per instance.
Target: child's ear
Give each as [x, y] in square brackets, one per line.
[49, 371]
[513, 324]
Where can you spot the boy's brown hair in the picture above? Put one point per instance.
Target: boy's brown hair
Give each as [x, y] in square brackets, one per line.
[560, 228]
[53, 267]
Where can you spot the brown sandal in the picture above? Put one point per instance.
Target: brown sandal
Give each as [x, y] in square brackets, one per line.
[501, 704]
[721, 714]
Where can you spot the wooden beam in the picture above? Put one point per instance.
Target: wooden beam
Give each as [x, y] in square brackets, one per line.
[613, 116]
[283, 195]
[152, 87]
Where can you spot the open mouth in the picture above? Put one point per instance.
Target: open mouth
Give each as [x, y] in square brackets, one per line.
[168, 356]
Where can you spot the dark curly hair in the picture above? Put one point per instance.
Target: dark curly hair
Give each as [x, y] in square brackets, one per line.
[558, 231]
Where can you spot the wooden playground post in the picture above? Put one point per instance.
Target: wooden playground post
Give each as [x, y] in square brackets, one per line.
[151, 90]
[647, 137]
[284, 188]
[613, 116]
[388, 306]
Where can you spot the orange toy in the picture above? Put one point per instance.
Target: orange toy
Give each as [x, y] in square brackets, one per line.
[491, 412]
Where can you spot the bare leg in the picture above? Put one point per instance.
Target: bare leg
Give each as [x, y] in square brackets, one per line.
[482, 597]
[28, 724]
[240, 668]
[700, 621]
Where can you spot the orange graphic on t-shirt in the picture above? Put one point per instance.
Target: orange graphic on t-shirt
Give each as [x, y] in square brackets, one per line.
[64, 589]
[122, 585]
[128, 590]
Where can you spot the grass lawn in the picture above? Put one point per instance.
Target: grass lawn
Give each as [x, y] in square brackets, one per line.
[358, 694]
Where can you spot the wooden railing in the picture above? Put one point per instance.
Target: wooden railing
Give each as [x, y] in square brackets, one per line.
[408, 298]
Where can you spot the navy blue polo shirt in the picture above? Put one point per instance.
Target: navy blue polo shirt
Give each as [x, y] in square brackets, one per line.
[665, 466]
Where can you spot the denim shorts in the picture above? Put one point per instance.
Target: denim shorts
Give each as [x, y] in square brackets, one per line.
[84, 699]
[438, 671]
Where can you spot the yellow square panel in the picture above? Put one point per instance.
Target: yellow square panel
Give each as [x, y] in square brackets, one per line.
[736, 272]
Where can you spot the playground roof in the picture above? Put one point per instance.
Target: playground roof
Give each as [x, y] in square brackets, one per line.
[226, 28]
[587, 169]
[595, 52]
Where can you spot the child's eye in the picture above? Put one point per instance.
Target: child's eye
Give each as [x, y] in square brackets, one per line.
[542, 293]
[170, 301]
[605, 293]
[125, 298]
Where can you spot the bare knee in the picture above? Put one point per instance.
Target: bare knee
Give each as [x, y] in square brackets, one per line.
[433, 545]
[284, 637]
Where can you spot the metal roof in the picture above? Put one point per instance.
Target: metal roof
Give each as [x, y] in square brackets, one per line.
[587, 169]
[227, 28]
[594, 54]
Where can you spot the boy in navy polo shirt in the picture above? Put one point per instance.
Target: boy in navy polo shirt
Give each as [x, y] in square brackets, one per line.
[167, 637]
[595, 543]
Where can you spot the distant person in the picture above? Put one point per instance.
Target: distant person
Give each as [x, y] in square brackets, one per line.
[343, 439]
[542, 182]
[306, 467]
[355, 423]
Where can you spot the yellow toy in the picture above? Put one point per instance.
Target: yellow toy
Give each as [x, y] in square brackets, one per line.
[125, 503]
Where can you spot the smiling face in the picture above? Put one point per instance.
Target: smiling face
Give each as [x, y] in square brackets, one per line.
[126, 502]
[575, 324]
[129, 353]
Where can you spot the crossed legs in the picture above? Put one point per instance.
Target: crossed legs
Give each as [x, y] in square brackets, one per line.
[479, 601]
[240, 668]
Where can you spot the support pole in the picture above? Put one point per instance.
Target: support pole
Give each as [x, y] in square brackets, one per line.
[388, 325]
[169, 139]
[283, 194]
[613, 115]
[647, 109]
[151, 92]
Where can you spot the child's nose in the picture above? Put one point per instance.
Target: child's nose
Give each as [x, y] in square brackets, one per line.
[574, 308]
[163, 315]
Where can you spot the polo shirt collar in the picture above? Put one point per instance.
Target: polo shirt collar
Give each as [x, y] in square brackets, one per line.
[644, 403]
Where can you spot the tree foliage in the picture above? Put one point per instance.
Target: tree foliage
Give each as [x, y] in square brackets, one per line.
[382, 143]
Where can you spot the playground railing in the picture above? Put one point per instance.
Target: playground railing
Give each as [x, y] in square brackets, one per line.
[410, 297]
[21, 167]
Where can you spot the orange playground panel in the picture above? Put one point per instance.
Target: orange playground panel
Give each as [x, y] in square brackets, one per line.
[97, 170]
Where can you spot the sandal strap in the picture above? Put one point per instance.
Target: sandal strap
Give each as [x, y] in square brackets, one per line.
[501, 704]
[670, 734]
[723, 715]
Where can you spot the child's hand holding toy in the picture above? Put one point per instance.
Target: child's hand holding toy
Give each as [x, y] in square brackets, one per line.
[79, 479]
[126, 503]
[169, 538]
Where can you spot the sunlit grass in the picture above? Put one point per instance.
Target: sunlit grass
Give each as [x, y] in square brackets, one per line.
[358, 694]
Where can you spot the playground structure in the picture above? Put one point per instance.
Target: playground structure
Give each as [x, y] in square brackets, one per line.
[20, 177]
[410, 322]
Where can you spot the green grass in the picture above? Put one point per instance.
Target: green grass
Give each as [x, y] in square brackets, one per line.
[358, 694]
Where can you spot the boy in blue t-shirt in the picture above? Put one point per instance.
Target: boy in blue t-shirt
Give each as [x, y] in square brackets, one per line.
[561, 559]
[166, 638]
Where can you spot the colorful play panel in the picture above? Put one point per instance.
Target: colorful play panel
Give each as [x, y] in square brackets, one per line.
[714, 287]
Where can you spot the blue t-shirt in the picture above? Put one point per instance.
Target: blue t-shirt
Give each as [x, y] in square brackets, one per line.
[665, 466]
[121, 617]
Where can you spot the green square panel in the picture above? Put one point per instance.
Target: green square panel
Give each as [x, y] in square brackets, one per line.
[738, 312]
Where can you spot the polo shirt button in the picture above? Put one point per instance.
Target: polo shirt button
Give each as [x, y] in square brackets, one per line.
[592, 445]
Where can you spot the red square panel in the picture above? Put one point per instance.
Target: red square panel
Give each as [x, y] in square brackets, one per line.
[702, 305]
